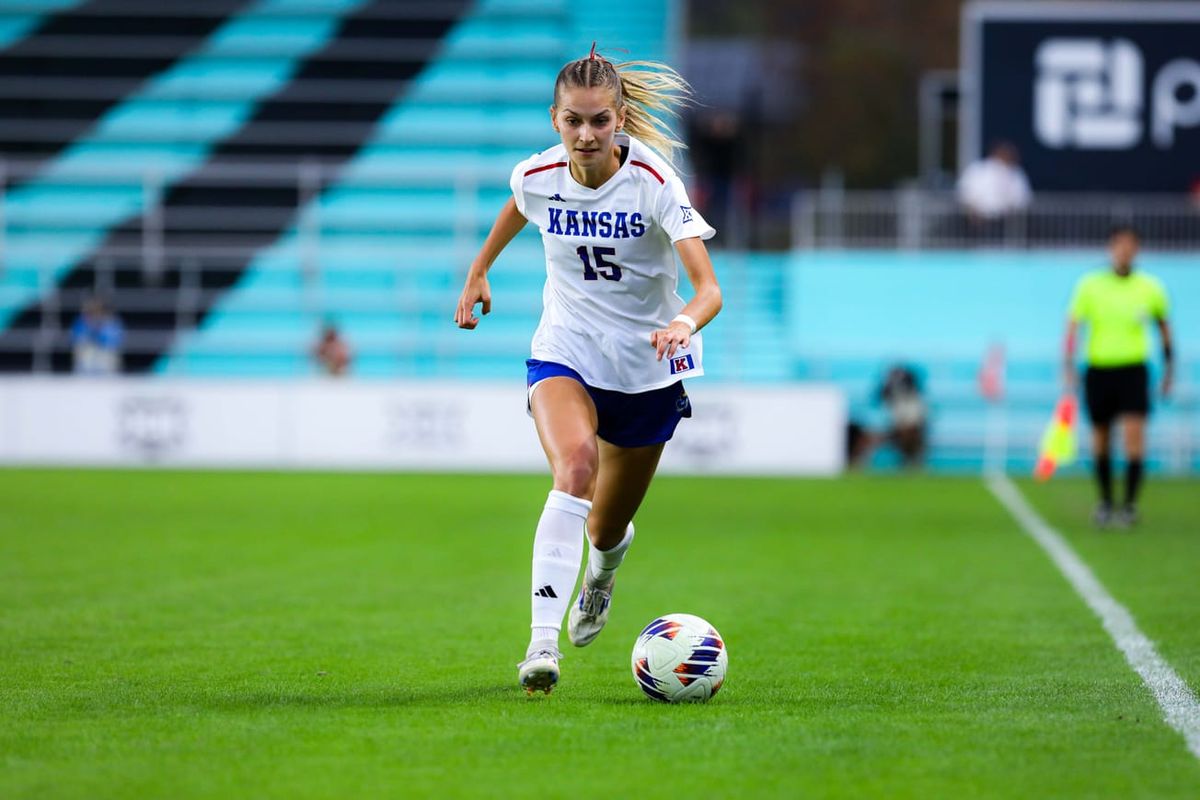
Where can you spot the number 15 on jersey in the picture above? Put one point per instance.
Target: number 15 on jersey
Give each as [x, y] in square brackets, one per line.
[606, 269]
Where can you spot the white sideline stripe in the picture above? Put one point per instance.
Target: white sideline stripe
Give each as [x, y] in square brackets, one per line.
[1180, 708]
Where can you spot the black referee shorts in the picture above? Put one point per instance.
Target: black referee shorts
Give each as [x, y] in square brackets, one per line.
[1113, 391]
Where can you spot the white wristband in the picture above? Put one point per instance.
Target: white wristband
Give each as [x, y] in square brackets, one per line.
[686, 320]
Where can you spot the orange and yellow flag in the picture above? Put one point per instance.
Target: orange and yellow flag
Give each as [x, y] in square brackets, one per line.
[1058, 442]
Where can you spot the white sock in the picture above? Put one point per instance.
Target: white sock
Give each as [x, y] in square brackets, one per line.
[602, 564]
[557, 551]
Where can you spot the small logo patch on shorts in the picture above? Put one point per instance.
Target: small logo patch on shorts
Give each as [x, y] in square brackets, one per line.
[682, 364]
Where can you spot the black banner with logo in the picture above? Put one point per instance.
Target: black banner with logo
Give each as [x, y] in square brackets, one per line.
[1095, 96]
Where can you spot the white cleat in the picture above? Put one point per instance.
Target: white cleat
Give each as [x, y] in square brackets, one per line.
[589, 612]
[539, 671]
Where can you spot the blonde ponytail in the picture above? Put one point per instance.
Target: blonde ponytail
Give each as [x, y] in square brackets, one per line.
[650, 92]
[653, 92]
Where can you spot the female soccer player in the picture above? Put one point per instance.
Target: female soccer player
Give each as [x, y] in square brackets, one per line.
[615, 339]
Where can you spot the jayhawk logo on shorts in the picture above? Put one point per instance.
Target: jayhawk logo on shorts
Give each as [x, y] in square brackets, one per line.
[683, 403]
[682, 364]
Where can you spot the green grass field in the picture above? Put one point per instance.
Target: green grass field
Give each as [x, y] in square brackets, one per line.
[293, 636]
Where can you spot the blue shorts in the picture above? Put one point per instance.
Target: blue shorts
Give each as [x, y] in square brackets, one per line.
[626, 420]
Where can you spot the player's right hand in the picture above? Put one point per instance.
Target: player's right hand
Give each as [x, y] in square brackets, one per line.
[477, 290]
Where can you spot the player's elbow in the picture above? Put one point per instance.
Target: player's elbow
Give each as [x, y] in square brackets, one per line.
[714, 298]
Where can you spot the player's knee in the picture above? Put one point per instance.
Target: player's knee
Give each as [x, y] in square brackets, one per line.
[575, 473]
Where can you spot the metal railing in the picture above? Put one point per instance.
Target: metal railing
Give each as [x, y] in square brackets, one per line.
[918, 219]
[287, 195]
[172, 256]
[284, 196]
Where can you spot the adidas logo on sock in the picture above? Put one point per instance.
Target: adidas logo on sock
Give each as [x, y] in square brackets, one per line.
[546, 591]
[555, 553]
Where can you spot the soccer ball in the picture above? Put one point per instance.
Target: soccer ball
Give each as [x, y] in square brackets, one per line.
[679, 658]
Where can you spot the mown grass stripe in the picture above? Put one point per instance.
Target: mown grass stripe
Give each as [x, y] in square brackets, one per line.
[1180, 708]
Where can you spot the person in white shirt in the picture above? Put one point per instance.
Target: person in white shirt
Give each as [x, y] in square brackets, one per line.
[615, 338]
[996, 186]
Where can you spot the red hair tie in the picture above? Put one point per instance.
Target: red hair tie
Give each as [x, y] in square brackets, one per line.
[592, 55]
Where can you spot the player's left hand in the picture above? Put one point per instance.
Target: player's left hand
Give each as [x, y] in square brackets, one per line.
[670, 339]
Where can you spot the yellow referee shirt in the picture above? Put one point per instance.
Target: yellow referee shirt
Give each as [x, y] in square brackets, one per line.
[1117, 310]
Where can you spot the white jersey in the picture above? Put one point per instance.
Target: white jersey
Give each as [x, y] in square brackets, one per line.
[611, 277]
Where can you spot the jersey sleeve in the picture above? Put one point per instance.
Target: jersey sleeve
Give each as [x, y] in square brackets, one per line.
[516, 182]
[676, 216]
[1078, 309]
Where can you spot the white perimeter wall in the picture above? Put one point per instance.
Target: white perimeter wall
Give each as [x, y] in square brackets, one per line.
[321, 424]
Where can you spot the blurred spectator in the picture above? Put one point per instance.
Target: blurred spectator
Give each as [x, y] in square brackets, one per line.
[995, 187]
[331, 352]
[96, 339]
[900, 393]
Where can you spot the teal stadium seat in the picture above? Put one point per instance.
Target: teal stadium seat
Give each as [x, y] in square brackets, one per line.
[159, 126]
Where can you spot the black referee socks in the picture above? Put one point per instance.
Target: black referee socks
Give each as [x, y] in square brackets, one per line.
[1104, 478]
[1133, 481]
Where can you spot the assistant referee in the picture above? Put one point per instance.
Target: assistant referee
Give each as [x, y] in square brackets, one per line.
[1116, 305]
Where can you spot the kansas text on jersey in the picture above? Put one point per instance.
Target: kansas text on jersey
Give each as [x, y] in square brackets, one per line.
[605, 224]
